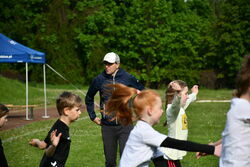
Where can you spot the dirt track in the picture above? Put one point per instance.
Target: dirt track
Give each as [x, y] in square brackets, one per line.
[17, 119]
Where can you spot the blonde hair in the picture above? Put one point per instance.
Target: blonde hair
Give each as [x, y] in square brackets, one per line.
[67, 99]
[126, 105]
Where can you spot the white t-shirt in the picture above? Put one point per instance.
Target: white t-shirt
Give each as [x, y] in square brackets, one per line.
[142, 143]
[236, 135]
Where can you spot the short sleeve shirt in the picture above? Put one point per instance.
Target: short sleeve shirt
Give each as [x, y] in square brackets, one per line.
[236, 135]
[141, 145]
[62, 150]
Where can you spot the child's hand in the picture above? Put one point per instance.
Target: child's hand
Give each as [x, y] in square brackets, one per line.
[200, 154]
[217, 150]
[195, 89]
[38, 143]
[34, 142]
[55, 139]
[175, 86]
[97, 121]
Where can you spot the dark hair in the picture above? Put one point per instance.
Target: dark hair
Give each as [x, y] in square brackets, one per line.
[3, 110]
[67, 99]
[243, 78]
[119, 104]
[170, 92]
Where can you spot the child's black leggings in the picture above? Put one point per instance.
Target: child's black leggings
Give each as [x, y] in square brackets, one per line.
[161, 162]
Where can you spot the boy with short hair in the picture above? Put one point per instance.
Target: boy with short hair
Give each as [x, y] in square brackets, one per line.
[57, 142]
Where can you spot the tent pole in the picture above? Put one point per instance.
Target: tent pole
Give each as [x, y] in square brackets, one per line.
[27, 92]
[45, 96]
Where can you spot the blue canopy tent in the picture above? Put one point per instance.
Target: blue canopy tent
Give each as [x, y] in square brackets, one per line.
[14, 52]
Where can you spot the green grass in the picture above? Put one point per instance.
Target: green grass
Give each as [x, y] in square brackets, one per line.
[14, 92]
[86, 144]
[206, 121]
[221, 94]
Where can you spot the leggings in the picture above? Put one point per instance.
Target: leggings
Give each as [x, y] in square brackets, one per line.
[114, 136]
[161, 162]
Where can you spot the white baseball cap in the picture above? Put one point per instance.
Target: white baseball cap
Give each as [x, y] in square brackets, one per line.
[112, 57]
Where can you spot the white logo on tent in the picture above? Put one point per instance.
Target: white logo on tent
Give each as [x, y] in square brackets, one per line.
[5, 56]
[12, 42]
[34, 57]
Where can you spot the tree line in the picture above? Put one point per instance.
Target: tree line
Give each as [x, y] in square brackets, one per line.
[198, 41]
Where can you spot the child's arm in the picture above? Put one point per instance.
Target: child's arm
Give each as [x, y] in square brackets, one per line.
[54, 142]
[191, 146]
[192, 96]
[38, 143]
[195, 89]
[173, 111]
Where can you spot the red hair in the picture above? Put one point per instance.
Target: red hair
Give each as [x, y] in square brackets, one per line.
[119, 103]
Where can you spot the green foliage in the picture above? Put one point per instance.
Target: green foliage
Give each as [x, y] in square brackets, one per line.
[157, 40]
[153, 35]
[232, 32]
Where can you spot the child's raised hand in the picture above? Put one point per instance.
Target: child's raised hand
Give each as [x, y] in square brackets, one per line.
[195, 89]
[175, 86]
[55, 139]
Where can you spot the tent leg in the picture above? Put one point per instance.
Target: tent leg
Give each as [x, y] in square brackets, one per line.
[27, 93]
[45, 96]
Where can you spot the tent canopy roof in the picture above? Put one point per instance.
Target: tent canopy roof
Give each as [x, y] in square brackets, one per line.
[14, 52]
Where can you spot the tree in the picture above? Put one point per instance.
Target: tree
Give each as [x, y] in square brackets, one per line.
[232, 32]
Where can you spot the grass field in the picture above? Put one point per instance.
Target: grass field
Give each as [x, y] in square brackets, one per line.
[14, 92]
[206, 122]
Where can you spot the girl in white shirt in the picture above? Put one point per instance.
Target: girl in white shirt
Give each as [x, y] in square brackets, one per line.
[127, 104]
[177, 100]
[236, 135]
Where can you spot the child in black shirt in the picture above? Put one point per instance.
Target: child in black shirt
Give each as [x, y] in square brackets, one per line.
[3, 119]
[57, 142]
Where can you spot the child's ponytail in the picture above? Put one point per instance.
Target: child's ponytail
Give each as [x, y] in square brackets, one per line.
[121, 103]
[128, 104]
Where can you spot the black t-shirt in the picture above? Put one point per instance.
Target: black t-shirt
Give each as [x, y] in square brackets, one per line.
[3, 161]
[62, 150]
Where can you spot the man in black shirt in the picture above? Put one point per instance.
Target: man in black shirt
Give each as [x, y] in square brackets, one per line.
[112, 132]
